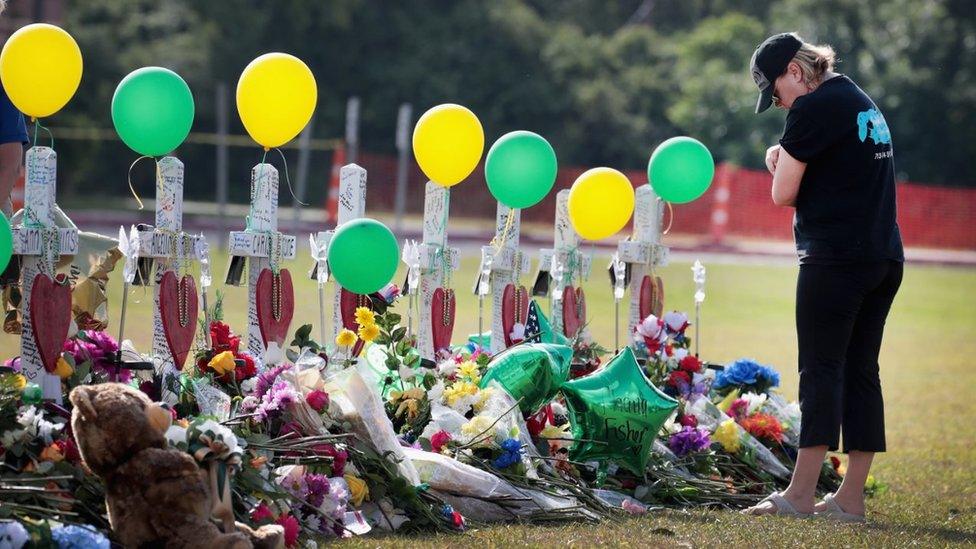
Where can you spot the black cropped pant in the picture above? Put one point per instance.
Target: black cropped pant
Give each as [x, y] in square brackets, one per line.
[840, 317]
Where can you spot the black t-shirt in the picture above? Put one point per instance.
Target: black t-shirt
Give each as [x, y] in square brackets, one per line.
[845, 208]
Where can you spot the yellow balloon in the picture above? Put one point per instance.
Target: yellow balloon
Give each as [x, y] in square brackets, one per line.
[601, 202]
[40, 68]
[276, 96]
[448, 141]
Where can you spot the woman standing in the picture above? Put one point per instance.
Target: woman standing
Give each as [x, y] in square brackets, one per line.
[834, 164]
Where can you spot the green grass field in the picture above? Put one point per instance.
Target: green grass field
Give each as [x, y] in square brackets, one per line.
[927, 373]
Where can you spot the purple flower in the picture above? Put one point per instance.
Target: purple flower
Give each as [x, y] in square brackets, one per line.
[267, 378]
[13, 363]
[279, 397]
[316, 488]
[688, 440]
[99, 349]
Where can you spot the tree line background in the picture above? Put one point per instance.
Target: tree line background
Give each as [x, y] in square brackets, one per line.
[604, 81]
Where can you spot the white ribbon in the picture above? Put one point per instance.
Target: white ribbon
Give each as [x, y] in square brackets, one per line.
[411, 256]
[321, 255]
[619, 274]
[698, 275]
[203, 252]
[129, 246]
[556, 271]
[487, 258]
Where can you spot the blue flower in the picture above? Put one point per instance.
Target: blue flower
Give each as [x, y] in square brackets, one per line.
[512, 445]
[745, 373]
[511, 454]
[79, 537]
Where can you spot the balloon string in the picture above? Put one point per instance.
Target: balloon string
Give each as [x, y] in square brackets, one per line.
[497, 242]
[287, 179]
[37, 124]
[670, 218]
[129, 177]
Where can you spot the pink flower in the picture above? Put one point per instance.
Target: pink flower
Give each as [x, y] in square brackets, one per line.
[290, 524]
[13, 363]
[338, 456]
[261, 513]
[438, 440]
[739, 409]
[688, 420]
[318, 400]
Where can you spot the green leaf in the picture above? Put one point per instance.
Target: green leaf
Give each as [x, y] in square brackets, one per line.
[393, 318]
[399, 333]
[425, 444]
[429, 381]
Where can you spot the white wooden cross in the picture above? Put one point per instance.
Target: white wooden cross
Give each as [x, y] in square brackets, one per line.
[643, 250]
[564, 260]
[261, 244]
[171, 248]
[42, 244]
[436, 261]
[506, 265]
[352, 205]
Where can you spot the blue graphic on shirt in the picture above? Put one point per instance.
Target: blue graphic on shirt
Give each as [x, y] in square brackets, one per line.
[878, 129]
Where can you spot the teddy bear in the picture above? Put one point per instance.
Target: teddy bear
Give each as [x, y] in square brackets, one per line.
[155, 496]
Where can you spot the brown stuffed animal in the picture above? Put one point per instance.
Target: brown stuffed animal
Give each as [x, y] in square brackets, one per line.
[154, 496]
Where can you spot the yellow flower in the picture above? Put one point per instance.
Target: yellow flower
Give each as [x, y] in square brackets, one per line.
[365, 316]
[368, 332]
[222, 363]
[51, 453]
[726, 402]
[358, 490]
[346, 338]
[459, 390]
[414, 392]
[18, 381]
[483, 396]
[552, 431]
[727, 434]
[469, 370]
[63, 370]
[477, 426]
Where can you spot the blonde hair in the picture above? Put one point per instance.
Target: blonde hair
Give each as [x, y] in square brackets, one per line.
[814, 61]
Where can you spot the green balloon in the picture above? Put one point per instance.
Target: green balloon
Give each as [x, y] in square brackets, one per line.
[32, 394]
[617, 412]
[680, 170]
[520, 169]
[363, 255]
[152, 110]
[532, 372]
[6, 242]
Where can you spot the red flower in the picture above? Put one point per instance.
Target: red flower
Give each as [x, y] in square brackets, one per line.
[261, 513]
[248, 370]
[690, 364]
[438, 440]
[290, 524]
[678, 377]
[764, 427]
[457, 519]
[739, 409]
[222, 339]
[318, 400]
[339, 457]
[69, 450]
[835, 463]
[688, 420]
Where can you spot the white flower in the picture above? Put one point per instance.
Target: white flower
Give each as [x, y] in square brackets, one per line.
[676, 321]
[13, 535]
[273, 355]
[518, 331]
[32, 419]
[313, 523]
[248, 385]
[652, 328]
[436, 392]
[446, 368]
[406, 372]
[755, 401]
[558, 409]
[680, 353]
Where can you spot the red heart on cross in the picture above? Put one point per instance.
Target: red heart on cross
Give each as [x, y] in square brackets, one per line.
[178, 325]
[574, 311]
[442, 308]
[274, 327]
[348, 303]
[648, 291]
[658, 297]
[515, 310]
[50, 314]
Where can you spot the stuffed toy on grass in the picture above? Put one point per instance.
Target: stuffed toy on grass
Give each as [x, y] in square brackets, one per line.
[155, 496]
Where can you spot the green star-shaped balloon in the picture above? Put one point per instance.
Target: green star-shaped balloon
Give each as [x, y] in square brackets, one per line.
[616, 413]
[532, 372]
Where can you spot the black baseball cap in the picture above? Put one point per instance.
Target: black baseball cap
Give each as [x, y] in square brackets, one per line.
[769, 61]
